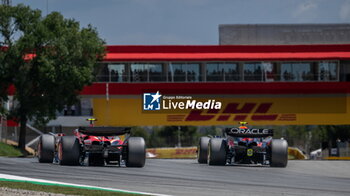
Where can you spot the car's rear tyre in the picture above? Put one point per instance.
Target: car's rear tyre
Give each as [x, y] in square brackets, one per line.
[202, 154]
[217, 151]
[68, 151]
[279, 153]
[136, 152]
[46, 148]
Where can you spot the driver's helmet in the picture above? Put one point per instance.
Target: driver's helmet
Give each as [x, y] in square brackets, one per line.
[244, 140]
[243, 125]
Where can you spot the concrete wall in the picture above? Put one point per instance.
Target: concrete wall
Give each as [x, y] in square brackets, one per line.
[284, 34]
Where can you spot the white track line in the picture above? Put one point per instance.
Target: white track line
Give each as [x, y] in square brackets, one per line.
[48, 182]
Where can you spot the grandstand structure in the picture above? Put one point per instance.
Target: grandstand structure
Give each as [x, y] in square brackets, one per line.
[283, 82]
[265, 84]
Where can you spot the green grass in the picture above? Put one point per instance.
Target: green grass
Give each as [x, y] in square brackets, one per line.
[60, 189]
[9, 151]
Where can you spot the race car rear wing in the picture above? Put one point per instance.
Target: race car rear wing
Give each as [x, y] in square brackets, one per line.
[250, 133]
[104, 131]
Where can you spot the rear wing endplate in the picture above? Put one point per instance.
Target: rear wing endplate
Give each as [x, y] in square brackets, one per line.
[236, 132]
[104, 131]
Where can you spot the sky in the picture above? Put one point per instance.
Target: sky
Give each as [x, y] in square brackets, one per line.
[187, 22]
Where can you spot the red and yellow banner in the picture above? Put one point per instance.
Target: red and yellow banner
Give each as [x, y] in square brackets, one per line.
[257, 110]
[191, 153]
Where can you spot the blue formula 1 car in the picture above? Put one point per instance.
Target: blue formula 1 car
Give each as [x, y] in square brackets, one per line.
[242, 145]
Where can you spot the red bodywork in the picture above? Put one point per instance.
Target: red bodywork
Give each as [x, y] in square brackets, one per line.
[90, 139]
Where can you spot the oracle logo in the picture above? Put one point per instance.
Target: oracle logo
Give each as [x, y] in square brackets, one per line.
[249, 131]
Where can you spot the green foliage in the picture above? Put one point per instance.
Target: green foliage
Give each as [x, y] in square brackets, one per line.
[168, 136]
[155, 139]
[334, 132]
[9, 151]
[5, 78]
[140, 132]
[211, 131]
[47, 59]
[307, 138]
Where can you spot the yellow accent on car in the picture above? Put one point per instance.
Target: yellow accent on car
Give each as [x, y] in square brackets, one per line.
[249, 152]
[243, 123]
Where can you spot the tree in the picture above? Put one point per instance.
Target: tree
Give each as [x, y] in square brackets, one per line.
[140, 132]
[335, 132]
[155, 140]
[168, 136]
[47, 59]
[4, 59]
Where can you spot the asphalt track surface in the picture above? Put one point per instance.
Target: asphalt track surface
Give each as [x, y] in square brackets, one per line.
[187, 177]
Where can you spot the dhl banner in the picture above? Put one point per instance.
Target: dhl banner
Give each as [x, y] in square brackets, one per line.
[201, 111]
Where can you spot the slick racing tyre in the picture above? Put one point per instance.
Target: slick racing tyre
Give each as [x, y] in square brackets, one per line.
[68, 151]
[202, 151]
[136, 152]
[217, 151]
[279, 153]
[46, 148]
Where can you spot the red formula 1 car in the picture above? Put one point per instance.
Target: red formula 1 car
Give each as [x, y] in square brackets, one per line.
[93, 146]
